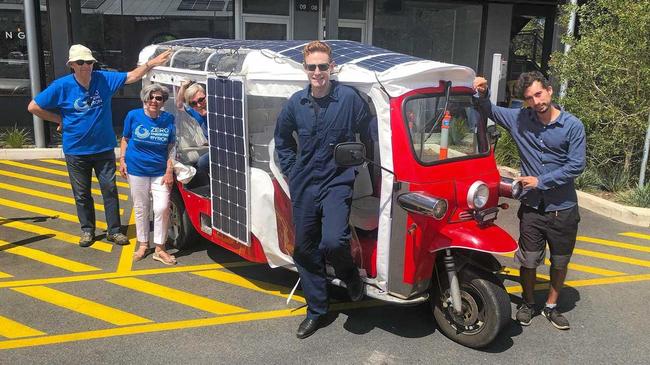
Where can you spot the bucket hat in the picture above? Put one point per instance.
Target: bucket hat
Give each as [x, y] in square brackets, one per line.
[79, 52]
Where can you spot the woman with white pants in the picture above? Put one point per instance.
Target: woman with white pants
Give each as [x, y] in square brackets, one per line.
[146, 160]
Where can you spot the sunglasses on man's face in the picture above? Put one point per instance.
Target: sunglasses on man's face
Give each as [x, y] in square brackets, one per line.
[197, 101]
[81, 62]
[321, 66]
[156, 97]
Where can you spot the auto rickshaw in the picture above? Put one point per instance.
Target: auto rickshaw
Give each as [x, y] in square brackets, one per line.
[425, 197]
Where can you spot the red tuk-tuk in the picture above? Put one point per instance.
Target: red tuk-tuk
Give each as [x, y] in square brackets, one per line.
[426, 194]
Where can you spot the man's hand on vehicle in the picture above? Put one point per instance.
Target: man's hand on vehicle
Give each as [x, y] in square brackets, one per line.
[528, 182]
[480, 85]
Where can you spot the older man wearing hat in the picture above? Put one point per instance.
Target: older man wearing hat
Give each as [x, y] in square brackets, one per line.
[80, 103]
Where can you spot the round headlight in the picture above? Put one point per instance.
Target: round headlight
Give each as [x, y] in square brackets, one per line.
[478, 194]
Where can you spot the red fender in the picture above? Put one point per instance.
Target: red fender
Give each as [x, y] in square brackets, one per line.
[469, 235]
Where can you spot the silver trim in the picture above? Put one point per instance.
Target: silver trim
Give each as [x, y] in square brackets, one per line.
[471, 193]
[510, 188]
[422, 203]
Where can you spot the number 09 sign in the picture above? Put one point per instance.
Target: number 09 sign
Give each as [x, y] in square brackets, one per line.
[307, 5]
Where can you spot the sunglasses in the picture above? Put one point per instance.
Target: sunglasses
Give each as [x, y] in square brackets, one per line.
[156, 97]
[321, 66]
[197, 101]
[81, 62]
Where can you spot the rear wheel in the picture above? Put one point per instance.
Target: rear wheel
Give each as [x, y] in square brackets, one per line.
[485, 309]
[181, 231]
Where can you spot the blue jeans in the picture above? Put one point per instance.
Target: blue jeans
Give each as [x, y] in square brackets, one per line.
[80, 169]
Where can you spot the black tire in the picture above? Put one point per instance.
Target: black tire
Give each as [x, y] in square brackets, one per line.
[486, 309]
[181, 233]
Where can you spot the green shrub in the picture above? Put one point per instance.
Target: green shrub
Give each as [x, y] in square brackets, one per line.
[506, 153]
[614, 180]
[638, 197]
[589, 180]
[15, 137]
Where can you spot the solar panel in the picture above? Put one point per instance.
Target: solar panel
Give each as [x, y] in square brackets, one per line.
[206, 5]
[384, 62]
[370, 57]
[228, 158]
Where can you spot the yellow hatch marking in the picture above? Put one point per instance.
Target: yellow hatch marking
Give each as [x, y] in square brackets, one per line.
[61, 236]
[587, 282]
[80, 305]
[636, 235]
[50, 171]
[243, 282]
[178, 296]
[617, 244]
[125, 264]
[583, 268]
[617, 258]
[12, 329]
[46, 212]
[46, 258]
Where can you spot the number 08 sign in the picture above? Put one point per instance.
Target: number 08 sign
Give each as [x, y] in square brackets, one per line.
[306, 5]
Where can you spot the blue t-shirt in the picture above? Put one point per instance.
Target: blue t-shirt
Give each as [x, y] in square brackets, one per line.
[149, 139]
[202, 120]
[86, 113]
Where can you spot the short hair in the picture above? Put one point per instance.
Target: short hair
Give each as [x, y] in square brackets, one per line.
[528, 78]
[317, 46]
[191, 91]
[146, 92]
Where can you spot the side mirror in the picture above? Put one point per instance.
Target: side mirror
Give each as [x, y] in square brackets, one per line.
[348, 154]
[493, 134]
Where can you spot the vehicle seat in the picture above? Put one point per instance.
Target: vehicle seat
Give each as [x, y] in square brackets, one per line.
[365, 207]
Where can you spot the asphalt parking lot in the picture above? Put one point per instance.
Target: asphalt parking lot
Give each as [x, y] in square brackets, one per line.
[60, 303]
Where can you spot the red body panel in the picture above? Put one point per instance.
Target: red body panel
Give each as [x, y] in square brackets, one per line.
[195, 204]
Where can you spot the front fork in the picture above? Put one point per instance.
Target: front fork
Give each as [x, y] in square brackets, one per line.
[454, 285]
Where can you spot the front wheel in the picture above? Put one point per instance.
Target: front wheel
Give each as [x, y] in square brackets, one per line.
[485, 309]
[181, 232]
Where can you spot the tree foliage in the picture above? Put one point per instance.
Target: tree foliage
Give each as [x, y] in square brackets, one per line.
[608, 75]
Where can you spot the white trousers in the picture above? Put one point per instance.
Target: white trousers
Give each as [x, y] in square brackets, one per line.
[142, 187]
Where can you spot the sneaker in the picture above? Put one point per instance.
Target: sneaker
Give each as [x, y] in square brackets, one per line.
[556, 318]
[86, 239]
[525, 314]
[118, 239]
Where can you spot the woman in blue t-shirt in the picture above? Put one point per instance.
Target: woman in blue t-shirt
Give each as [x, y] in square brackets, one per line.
[193, 102]
[146, 160]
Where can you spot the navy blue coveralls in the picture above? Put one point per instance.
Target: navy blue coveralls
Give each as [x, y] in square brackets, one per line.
[321, 192]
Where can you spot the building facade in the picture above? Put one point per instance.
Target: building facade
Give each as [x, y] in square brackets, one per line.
[460, 32]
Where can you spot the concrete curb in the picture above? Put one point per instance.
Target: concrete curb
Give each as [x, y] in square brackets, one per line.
[630, 215]
[622, 213]
[36, 153]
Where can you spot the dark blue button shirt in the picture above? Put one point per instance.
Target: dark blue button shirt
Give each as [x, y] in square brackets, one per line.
[319, 126]
[554, 153]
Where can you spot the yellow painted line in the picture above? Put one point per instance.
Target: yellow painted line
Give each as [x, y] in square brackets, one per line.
[50, 171]
[113, 275]
[125, 264]
[46, 212]
[515, 272]
[588, 282]
[61, 236]
[178, 296]
[55, 183]
[4, 275]
[80, 305]
[12, 329]
[617, 244]
[176, 325]
[636, 235]
[62, 163]
[583, 268]
[46, 195]
[46, 258]
[606, 256]
[260, 286]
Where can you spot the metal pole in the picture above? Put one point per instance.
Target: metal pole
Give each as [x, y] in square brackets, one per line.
[644, 162]
[34, 71]
[333, 20]
[567, 46]
[495, 77]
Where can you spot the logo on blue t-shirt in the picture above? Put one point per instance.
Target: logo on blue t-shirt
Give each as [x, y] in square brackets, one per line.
[87, 102]
[141, 132]
[155, 135]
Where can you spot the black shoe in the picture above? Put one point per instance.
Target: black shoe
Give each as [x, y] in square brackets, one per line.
[525, 314]
[117, 238]
[355, 288]
[307, 328]
[556, 318]
[86, 239]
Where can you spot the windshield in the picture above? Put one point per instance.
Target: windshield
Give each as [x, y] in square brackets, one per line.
[423, 117]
